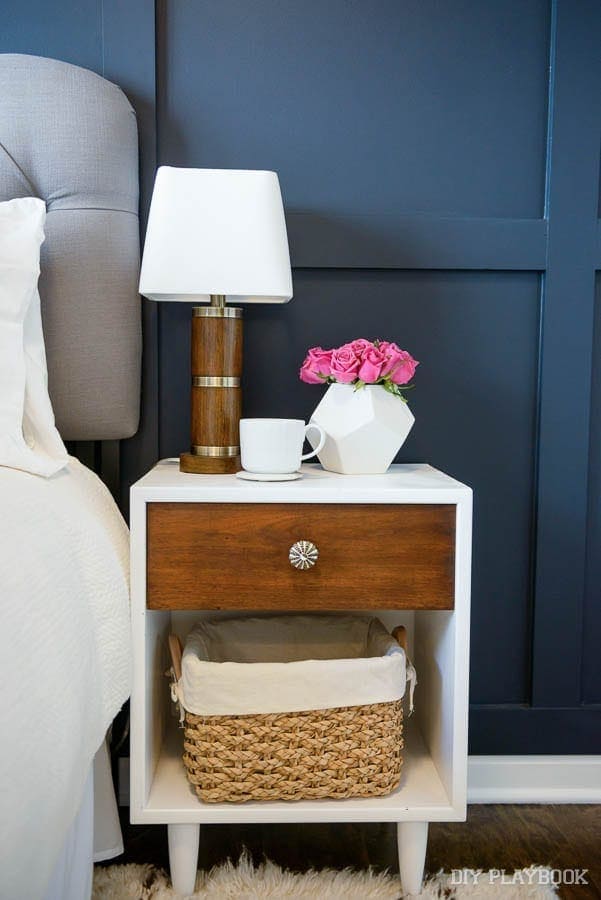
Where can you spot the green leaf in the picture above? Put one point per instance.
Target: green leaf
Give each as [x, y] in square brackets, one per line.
[395, 389]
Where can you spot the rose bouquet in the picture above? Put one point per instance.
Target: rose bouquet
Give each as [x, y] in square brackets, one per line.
[359, 363]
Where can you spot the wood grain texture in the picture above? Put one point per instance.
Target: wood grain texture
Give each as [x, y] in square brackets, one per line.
[216, 347]
[215, 416]
[175, 652]
[235, 556]
[209, 465]
[400, 635]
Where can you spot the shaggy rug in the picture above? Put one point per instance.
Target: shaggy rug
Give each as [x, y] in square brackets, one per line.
[244, 881]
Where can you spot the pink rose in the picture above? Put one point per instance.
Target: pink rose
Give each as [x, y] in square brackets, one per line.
[360, 345]
[316, 367]
[393, 356]
[400, 365]
[372, 362]
[345, 364]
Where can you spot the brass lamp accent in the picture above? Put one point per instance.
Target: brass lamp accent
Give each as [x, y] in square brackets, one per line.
[214, 235]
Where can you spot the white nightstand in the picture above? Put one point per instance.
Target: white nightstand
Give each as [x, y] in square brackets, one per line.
[210, 542]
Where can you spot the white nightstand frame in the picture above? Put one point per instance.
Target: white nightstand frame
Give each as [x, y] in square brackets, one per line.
[433, 786]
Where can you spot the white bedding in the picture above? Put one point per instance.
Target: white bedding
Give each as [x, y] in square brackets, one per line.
[65, 658]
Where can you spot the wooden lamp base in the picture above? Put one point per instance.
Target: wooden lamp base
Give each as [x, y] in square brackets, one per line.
[206, 465]
[216, 396]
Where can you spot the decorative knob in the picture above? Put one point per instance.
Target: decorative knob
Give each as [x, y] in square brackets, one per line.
[303, 554]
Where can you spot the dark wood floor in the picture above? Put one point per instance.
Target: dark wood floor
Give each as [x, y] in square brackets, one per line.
[494, 837]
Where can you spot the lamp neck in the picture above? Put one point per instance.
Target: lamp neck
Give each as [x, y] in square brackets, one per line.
[218, 300]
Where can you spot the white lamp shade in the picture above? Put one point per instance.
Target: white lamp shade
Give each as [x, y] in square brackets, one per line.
[216, 231]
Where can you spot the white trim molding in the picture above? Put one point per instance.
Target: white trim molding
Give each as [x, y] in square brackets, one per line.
[534, 779]
[505, 779]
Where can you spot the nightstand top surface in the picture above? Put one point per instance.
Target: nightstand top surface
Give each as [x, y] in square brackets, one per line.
[405, 483]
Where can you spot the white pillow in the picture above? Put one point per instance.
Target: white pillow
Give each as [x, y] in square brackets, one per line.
[29, 439]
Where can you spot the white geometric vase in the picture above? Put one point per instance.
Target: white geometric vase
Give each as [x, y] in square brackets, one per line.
[364, 429]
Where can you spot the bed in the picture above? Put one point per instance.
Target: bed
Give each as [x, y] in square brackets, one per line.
[69, 137]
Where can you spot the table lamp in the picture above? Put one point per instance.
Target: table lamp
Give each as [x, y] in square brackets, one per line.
[216, 235]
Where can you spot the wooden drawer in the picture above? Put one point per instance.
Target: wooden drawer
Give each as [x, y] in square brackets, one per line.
[235, 556]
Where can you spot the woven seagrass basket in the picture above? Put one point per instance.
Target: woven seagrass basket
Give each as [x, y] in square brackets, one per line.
[352, 751]
[345, 751]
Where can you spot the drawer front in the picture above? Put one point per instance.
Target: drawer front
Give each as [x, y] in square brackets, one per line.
[236, 556]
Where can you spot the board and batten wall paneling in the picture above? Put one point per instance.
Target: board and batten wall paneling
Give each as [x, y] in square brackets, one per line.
[440, 171]
[412, 144]
[364, 108]
[591, 657]
[572, 193]
[69, 31]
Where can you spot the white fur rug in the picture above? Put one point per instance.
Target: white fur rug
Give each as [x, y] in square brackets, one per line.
[244, 881]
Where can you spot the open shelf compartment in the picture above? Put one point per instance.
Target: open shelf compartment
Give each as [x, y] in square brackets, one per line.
[421, 794]
[162, 794]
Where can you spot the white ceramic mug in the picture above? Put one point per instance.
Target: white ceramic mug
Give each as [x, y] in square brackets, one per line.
[275, 446]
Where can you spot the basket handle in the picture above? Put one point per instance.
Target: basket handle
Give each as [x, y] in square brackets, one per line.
[175, 651]
[400, 635]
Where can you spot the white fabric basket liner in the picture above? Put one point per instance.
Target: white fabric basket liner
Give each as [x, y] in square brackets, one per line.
[272, 664]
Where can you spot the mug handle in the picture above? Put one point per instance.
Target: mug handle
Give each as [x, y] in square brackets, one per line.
[322, 439]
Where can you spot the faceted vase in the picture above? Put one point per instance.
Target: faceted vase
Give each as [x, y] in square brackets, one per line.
[364, 429]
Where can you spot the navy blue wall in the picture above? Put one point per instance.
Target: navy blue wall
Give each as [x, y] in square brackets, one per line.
[440, 170]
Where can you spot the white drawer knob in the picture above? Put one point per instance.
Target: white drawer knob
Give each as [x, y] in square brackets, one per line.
[303, 554]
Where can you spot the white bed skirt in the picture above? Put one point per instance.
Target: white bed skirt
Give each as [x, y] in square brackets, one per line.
[94, 836]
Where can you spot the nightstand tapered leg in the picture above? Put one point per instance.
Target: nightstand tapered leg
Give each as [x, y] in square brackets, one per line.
[183, 856]
[412, 840]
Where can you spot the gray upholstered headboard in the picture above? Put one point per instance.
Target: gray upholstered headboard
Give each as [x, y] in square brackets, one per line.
[70, 137]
